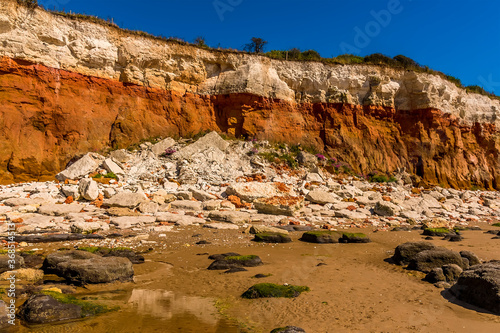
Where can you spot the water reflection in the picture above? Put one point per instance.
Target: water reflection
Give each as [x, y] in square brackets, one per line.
[165, 305]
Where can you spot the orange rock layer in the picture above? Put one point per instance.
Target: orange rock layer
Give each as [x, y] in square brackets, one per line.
[48, 116]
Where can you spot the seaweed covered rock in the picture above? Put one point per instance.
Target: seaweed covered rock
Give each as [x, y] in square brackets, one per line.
[85, 267]
[321, 236]
[272, 237]
[426, 260]
[354, 238]
[266, 290]
[230, 262]
[440, 232]
[480, 286]
[223, 255]
[40, 309]
[404, 253]
[288, 329]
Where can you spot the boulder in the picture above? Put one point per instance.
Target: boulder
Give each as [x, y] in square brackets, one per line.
[348, 237]
[111, 166]
[87, 227]
[426, 260]
[452, 272]
[438, 223]
[235, 217]
[473, 259]
[24, 274]
[231, 261]
[257, 229]
[88, 189]
[41, 309]
[321, 236]
[84, 267]
[6, 266]
[202, 195]
[480, 286]
[85, 165]
[59, 210]
[186, 205]
[321, 197]
[122, 211]
[148, 207]
[252, 190]
[404, 253]
[125, 199]
[385, 208]
[121, 155]
[160, 147]
[307, 159]
[211, 140]
[272, 237]
[279, 205]
[435, 275]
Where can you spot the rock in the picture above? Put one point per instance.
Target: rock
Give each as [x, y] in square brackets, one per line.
[122, 211]
[50, 238]
[404, 253]
[288, 329]
[265, 290]
[257, 229]
[435, 275]
[212, 205]
[160, 147]
[313, 177]
[202, 195]
[24, 274]
[252, 190]
[279, 205]
[121, 155]
[126, 222]
[272, 237]
[385, 208]
[85, 165]
[88, 189]
[442, 284]
[354, 238]
[148, 207]
[108, 192]
[84, 267]
[88, 227]
[307, 159]
[438, 223]
[59, 210]
[221, 226]
[186, 205]
[134, 258]
[426, 260]
[71, 191]
[440, 232]
[228, 262]
[348, 214]
[480, 286]
[125, 199]
[161, 197]
[23, 202]
[473, 259]
[112, 167]
[321, 197]
[235, 217]
[211, 140]
[453, 237]
[321, 236]
[184, 195]
[223, 255]
[32, 260]
[451, 272]
[41, 309]
[5, 316]
[6, 266]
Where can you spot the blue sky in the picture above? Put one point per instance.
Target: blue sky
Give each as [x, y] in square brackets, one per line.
[460, 38]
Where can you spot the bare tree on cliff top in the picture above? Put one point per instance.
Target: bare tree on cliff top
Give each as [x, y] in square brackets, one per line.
[256, 45]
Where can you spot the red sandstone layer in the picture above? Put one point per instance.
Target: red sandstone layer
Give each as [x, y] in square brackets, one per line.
[48, 116]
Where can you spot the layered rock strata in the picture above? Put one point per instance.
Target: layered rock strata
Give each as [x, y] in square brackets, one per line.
[71, 86]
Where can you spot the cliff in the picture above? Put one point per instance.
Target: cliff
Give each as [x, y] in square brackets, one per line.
[70, 86]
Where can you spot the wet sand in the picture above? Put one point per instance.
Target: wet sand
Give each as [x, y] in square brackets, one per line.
[356, 290]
